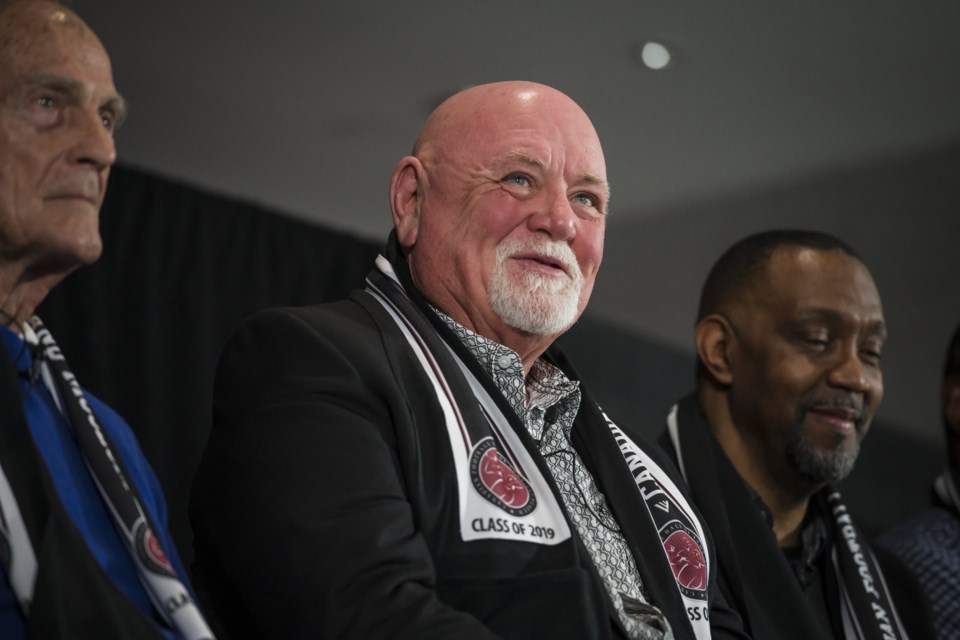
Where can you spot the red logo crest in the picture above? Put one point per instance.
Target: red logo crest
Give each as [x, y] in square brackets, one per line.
[686, 560]
[150, 552]
[501, 480]
[156, 551]
[498, 481]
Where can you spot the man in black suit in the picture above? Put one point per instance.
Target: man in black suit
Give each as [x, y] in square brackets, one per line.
[789, 338]
[416, 461]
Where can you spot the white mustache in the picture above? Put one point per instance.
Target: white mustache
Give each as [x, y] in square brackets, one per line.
[554, 251]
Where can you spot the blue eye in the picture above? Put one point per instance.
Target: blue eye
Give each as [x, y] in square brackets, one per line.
[518, 179]
[585, 199]
[43, 109]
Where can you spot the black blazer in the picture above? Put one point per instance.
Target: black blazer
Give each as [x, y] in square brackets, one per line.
[326, 502]
[753, 573]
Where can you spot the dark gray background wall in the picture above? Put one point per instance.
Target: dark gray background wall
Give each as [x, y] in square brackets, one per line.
[837, 116]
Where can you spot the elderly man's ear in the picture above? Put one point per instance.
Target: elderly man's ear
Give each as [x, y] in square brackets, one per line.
[714, 340]
[405, 192]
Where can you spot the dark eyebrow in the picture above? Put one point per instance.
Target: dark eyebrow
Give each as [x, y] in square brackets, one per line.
[52, 81]
[877, 328]
[874, 328]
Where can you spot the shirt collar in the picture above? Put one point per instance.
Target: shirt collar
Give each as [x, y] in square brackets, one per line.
[18, 345]
[813, 533]
[544, 386]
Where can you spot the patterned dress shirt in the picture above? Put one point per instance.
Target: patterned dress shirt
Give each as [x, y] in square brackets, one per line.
[545, 388]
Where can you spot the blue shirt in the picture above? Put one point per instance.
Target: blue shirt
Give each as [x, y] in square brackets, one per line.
[79, 495]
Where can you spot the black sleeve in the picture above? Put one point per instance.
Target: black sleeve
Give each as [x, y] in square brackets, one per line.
[725, 622]
[303, 528]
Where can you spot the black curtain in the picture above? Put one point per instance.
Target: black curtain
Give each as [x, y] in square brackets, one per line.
[143, 327]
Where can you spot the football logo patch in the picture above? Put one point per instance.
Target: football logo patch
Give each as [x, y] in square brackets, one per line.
[496, 480]
[150, 551]
[686, 559]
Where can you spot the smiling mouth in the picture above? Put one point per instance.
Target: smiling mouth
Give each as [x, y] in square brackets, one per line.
[544, 264]
[841, 418]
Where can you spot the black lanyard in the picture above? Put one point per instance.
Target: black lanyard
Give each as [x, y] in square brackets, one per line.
[168, 594]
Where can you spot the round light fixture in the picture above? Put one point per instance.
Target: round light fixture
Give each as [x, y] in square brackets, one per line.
[654, 55]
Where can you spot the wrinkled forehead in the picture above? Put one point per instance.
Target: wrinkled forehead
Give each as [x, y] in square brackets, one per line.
[553, 135]
[36, 31]
[49, 45]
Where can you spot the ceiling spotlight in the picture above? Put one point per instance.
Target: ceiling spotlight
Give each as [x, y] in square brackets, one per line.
[654, 55]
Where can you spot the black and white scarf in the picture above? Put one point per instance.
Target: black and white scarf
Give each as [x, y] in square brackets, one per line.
[744, 539]
[170, 597]
[868, 611]
[530, 510]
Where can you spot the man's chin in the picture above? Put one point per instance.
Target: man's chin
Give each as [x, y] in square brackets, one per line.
[74, 253]
[532, 302]
[536, 317]
[823, 464]
[89, 250]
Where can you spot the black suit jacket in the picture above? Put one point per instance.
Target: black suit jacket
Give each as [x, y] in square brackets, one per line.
[753, 573]
[326, 502]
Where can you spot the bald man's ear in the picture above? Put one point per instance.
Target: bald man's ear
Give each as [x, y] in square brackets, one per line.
[714, 340]
[406, 186]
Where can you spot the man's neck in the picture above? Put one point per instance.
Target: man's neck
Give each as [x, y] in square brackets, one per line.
[21, 293]
[786, 495]
[526, 345]
[788, 513]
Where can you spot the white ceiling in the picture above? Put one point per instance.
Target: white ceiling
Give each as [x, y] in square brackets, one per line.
[306, 105]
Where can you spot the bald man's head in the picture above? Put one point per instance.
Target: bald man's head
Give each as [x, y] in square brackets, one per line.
[20, 21]
[501, 210]
[58, 112]
[467, 117]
